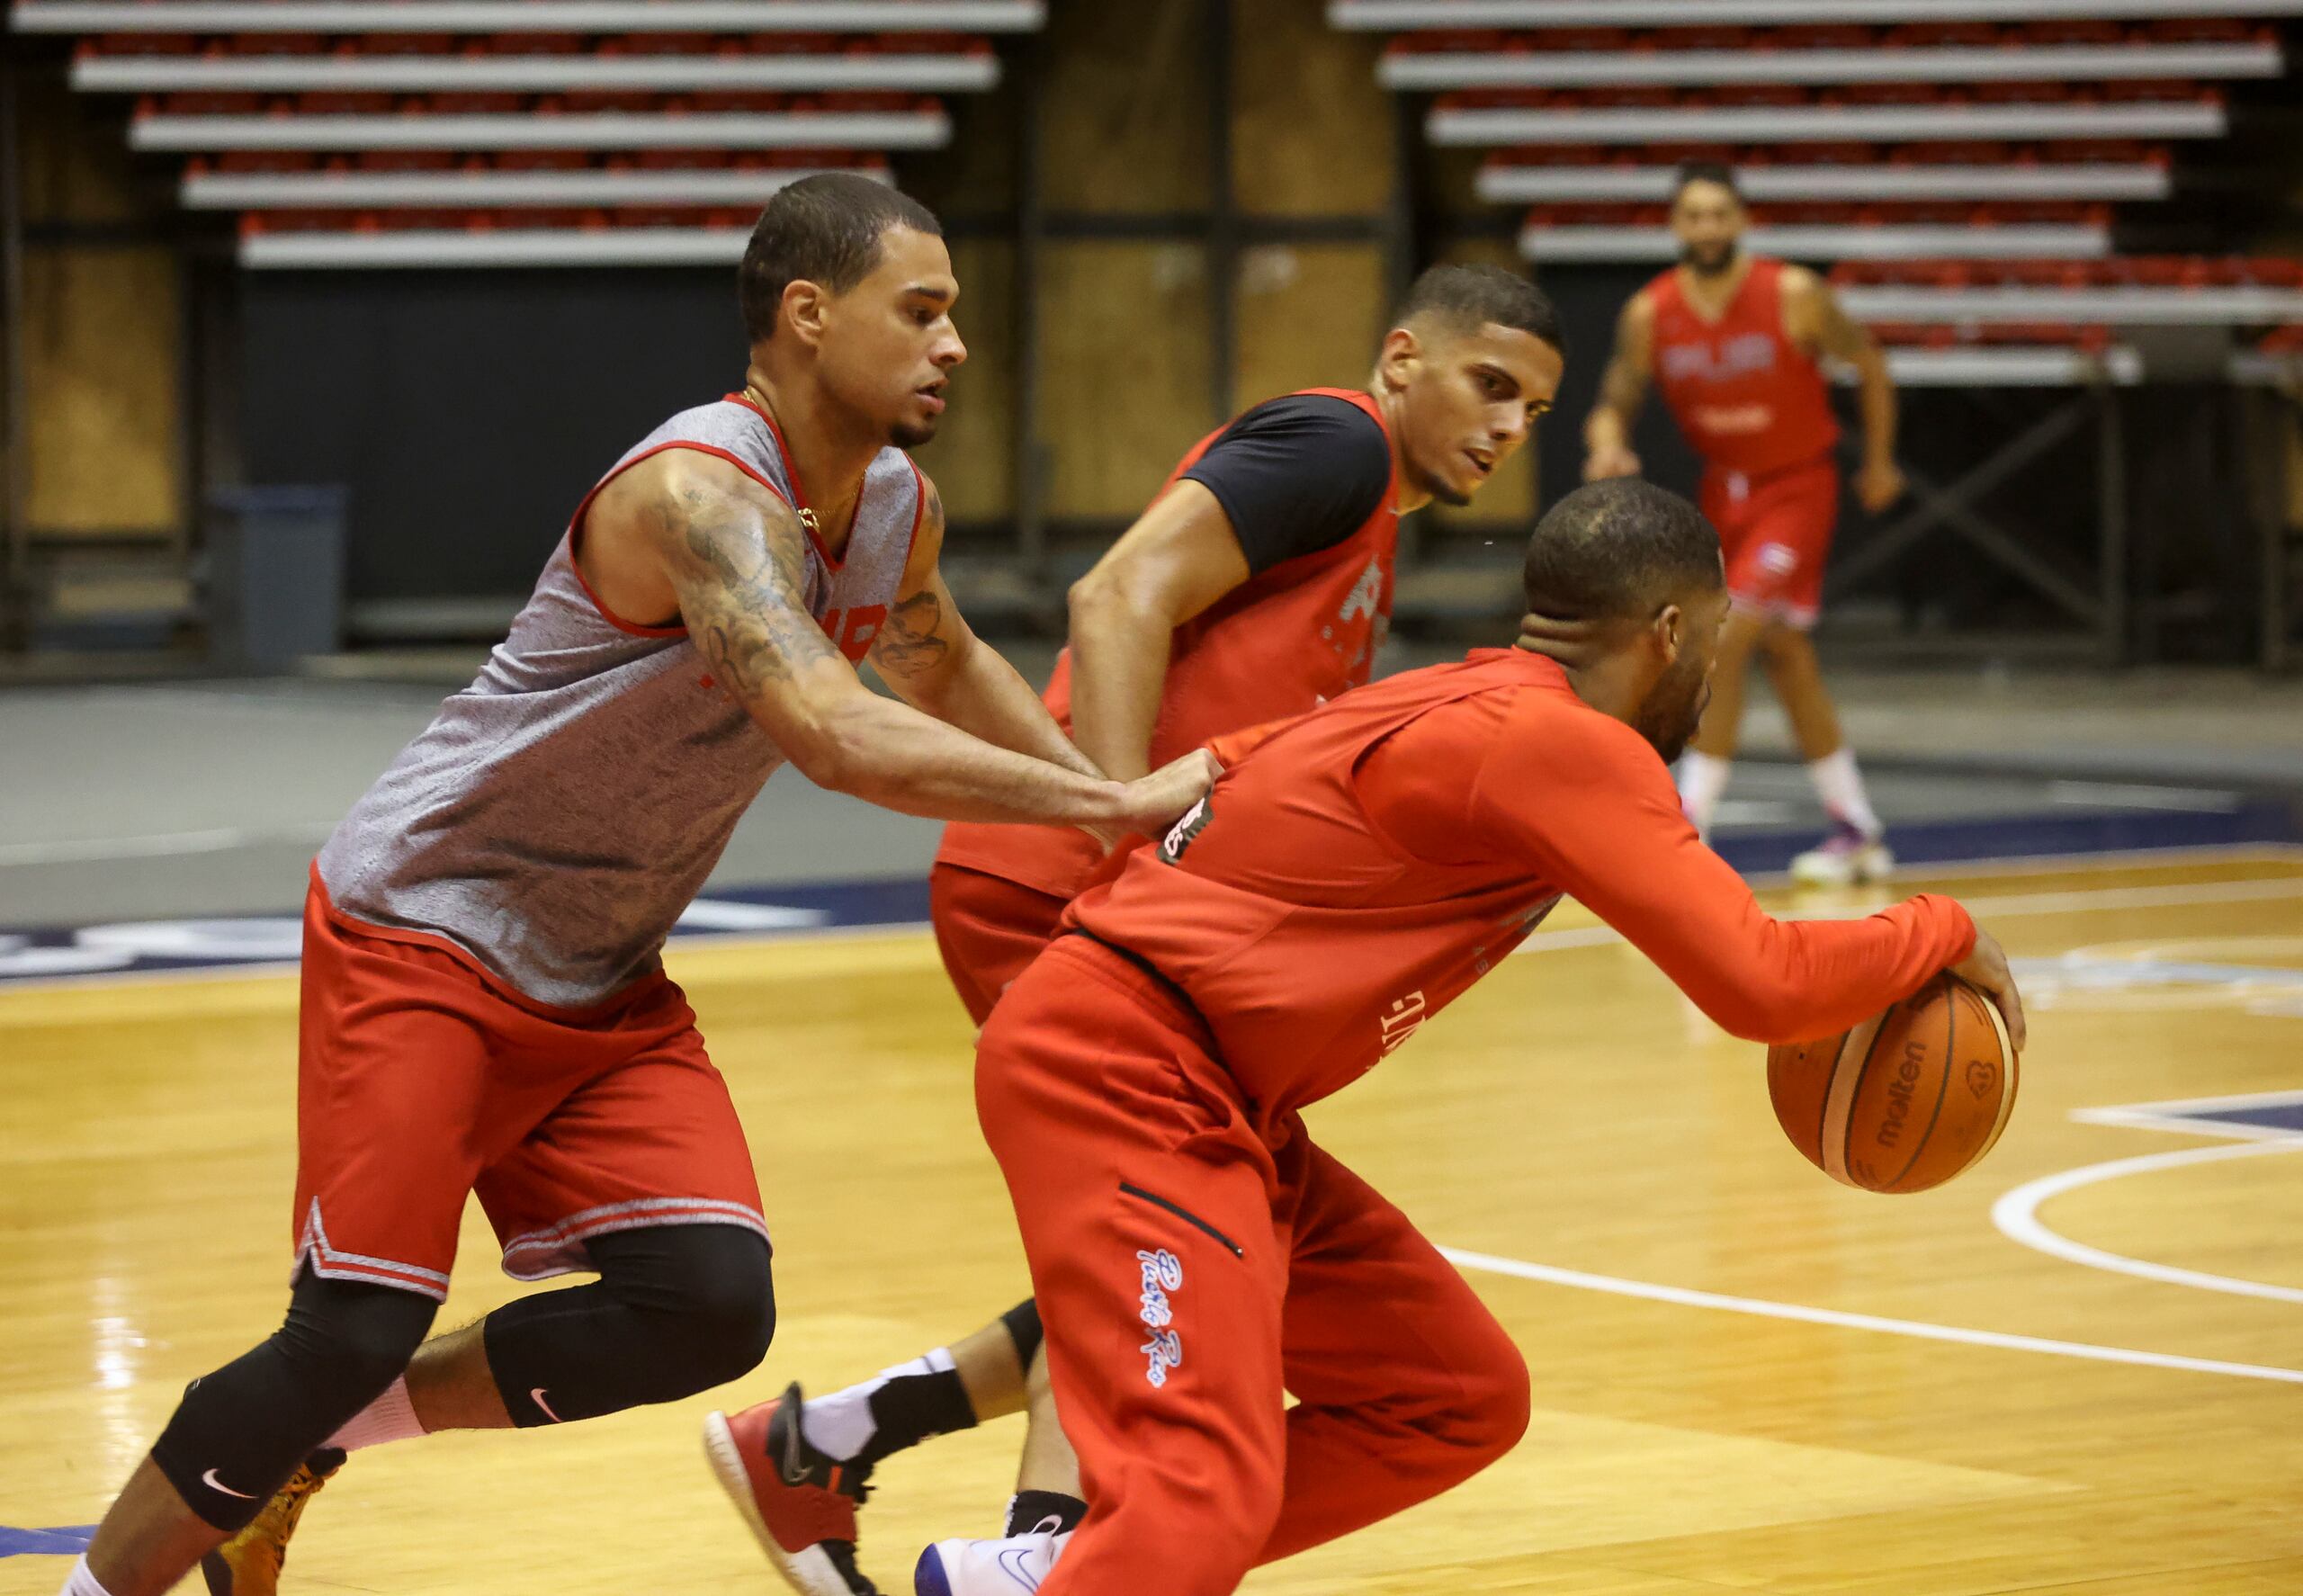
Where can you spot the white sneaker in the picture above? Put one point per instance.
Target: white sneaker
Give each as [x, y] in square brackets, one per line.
[1845, 858]
[1007, 1567]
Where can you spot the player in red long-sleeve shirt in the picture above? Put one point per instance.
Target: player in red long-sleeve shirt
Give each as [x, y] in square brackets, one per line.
[1196, 1258]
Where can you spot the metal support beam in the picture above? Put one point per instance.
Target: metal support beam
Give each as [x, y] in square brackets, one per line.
[1031, 232]
[1954, 506]
[1223, 244]
[2110, 467]
[16, 598]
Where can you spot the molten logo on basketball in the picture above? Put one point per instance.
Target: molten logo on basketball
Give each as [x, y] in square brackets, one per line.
[1983, 1076]
[1899, 1094]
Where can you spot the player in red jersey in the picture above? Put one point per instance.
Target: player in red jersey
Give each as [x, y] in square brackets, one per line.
[484, 1007]
[1735, 344]
[1197, 1258]
[1257, 586]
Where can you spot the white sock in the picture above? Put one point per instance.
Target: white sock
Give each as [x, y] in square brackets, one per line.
[391, 1416]
[1703, 777]
[841, 1425]
[1840, 786]
[81, 1582]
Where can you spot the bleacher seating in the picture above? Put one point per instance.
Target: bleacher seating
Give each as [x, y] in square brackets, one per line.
[1862, 130]
[455, 132]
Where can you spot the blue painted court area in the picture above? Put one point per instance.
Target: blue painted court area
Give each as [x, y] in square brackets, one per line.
[2269, 1116]
[66, 1540]
[161, 947]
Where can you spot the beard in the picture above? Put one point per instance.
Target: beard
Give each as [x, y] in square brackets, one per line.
[1707, 260]
[1674, 709]
[911, 434]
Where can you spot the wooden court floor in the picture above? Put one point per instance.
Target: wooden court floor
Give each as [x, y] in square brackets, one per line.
[1746, 1378]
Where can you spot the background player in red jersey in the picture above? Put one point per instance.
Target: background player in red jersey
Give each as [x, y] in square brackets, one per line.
[1735, 344]
[1197, 1258]
[1257, 586]
[484, 1007]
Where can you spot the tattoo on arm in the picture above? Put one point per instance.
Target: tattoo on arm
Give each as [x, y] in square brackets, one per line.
[908, 644]
[916, 640]
[742, 574]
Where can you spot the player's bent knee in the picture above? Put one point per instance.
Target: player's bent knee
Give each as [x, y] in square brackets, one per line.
[350, 1336]
[240, 1432]
[1502, 1409]
[1489, 1403]
[716, 1293]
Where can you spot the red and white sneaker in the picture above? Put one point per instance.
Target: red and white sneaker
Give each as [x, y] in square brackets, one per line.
[801, 1504]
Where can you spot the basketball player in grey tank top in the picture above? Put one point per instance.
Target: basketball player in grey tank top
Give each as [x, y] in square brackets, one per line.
[484, 1007]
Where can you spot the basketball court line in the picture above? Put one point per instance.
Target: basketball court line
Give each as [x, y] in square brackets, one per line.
[2006, 906]
[2182, 1115]
[156, 845]
[2171, 895]
[2138, 795]
[1919, 1329]
[2016, 1214]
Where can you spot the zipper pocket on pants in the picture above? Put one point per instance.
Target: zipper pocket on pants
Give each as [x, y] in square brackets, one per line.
[1182, 1213]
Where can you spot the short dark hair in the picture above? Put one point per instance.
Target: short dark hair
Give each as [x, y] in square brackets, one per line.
[825, 228]
[1471, 297]
[1719, 171]
[1618, 549]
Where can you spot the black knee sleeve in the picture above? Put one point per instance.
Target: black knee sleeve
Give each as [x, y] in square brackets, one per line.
[1022, 1322]
[240, 1432]
[677, 1309]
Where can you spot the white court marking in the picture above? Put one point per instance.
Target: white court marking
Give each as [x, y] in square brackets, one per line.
[1682, 1296]
[2016, 1214]
[1988, 907]
[158, 844]
[63, 970]
[2135, 795]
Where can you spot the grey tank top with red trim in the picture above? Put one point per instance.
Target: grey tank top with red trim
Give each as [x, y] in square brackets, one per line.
[560, 813]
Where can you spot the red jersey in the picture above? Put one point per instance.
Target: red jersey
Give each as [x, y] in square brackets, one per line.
[1276, 646]
[1364, 865]
[1749, 399]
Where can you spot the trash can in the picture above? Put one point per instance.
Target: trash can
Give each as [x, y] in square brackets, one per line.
[275, 575]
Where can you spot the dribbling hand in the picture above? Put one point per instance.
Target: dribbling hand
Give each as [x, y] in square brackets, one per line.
[1986, 968]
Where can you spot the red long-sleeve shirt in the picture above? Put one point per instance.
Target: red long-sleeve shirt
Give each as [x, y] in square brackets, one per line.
[1364, 864]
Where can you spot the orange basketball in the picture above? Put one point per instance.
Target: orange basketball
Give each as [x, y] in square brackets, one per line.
[1904, 1101]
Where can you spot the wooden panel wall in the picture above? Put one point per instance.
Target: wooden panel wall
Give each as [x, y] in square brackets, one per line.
[1310, 316]
[1125, 357]
[972, 458]
[103, 332]
[1124, 110]
[1311, 132]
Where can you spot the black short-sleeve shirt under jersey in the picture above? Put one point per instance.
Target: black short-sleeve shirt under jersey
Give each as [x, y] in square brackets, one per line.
[1296, 475]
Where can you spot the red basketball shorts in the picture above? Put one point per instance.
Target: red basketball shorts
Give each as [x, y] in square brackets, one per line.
[1776, 531]
[419, 1080]
[988, 929]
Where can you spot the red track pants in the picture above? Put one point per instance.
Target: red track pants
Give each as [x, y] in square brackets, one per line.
[1193, 1267]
